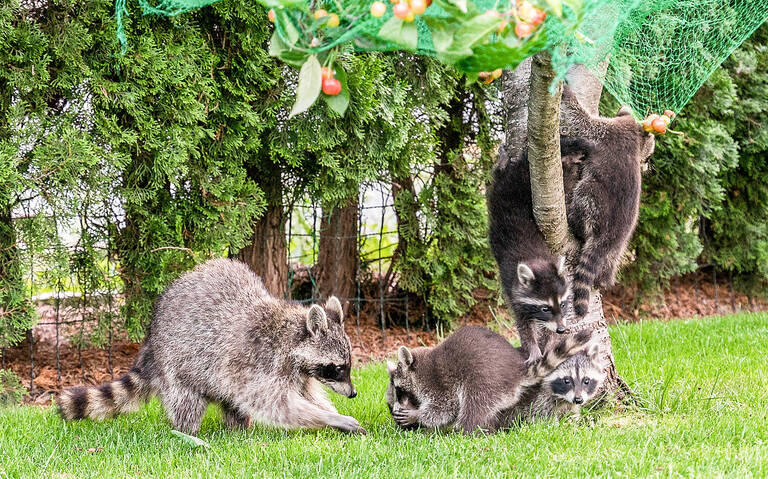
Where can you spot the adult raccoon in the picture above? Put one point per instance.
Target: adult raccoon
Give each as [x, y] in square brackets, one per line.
[469, 380]
[534, 282]
[602, 207]
[218, 336]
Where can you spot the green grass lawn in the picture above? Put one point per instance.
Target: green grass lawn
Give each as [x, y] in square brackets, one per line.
[704, 385]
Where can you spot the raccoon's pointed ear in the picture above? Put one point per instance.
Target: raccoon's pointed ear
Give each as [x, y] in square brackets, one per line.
[405, 356]
[525, 274]
[316, 320]
[561, 266]
[391, 367]
[333, 305]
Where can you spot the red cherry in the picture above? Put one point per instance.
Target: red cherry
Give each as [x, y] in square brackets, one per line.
[331, 86]
[523, 30]
[401, 10]
[271, 16]
[418, 6]
[659, 125]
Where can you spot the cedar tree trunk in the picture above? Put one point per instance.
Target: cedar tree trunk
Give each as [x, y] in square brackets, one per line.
[337, 252]
[267, 252]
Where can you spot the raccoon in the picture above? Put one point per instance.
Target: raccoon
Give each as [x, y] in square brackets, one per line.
[565, 390]
[602, 207]
[468, 381]
[534, 282]
[218, 336]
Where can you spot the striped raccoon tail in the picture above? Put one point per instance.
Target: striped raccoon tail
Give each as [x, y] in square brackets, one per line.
[562, 350]
[109, 399]
[584, 277]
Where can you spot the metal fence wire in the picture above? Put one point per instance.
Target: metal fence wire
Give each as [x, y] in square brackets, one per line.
[72, 315]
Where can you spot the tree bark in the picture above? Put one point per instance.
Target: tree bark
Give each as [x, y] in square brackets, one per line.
[544, 154]
[337, 252]
[544, 121]
[516, 92]
[267, 252]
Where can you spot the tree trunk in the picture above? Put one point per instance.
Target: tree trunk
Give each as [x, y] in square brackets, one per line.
[516, 92]
[337, 252]
[544, 155]
[542, 122]
[267, 252]
[15, 317]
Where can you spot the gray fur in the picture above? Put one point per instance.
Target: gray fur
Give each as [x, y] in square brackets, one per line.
[218, 336]
[533, 279]
[565, 390]
[602, 194]
[469, 381]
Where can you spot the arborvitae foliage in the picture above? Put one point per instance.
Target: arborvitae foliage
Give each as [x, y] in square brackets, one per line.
[445, 257]
[737, 237]
[704, 194]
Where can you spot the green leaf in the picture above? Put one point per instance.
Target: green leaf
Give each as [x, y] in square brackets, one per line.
[556, 6]
[279, 4]
[278, 48]
[402, 33]
[442, 32]
[576, 5]
[447, 5]
[310, 81]
[340, 102]
[285, 26]
[191, 440]
[474, 31]
[495, 55]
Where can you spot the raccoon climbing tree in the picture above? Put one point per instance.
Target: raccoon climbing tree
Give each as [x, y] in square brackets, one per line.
[660, 51]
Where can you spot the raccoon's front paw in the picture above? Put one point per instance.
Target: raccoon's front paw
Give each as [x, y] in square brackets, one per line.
[350, 425]
[534, 355]
[405, 417]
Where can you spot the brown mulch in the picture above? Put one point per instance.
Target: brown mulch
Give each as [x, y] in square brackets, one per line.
[687, 298]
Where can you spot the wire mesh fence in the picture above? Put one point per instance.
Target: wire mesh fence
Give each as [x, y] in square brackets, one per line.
[77, 316]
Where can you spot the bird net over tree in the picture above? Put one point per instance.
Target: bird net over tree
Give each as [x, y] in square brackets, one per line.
[659, 51]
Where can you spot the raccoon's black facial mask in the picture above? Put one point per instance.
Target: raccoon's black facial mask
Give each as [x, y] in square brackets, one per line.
[333, 372]
[406, 398]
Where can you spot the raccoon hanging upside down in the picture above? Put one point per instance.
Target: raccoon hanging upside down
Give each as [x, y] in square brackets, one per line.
[469, 381]
[218, 336]
[534, 282]
[603, 203]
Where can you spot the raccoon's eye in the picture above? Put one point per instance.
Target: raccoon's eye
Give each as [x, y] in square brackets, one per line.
[586, 380]
[399, 394]
[545, 309]
[566, 381]
[563, 305]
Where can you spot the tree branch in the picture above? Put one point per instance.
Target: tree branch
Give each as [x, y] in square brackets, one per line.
[544, 154]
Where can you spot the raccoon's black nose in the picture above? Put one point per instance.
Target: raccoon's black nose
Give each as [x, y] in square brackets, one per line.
[560, 330]
[352, 394]
[578, 400]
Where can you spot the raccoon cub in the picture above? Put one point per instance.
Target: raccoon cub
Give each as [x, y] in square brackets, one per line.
[602, 207]
[572, 384]
[468, 381]
[218, 336]
[533, 281]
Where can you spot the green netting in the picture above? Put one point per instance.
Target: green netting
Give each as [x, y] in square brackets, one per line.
[659, 51]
